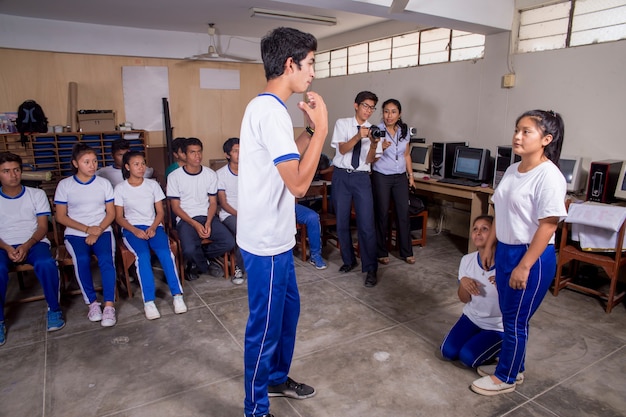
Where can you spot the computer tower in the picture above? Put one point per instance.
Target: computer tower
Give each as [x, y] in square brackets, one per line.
[505, 157]
[603, 178]
[442, 158]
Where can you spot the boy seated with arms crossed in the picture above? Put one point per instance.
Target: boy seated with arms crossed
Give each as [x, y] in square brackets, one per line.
[23, 230]
[113, 173]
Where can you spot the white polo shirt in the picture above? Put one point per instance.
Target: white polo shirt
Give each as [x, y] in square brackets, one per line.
[20, 213]
[227, 182]
[193, 190]
[138, 202]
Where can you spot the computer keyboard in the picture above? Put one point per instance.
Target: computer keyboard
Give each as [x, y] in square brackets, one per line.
[460, 181]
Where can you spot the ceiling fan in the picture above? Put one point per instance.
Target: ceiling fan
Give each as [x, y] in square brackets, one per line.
[213, 53]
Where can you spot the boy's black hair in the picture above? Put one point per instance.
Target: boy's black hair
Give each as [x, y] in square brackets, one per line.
[118, 145]
[189, 142]
[365, 95]
[177, 144]
[79, 150]
[126, 158]
[228, 145]
[10, 157]
[281, 44]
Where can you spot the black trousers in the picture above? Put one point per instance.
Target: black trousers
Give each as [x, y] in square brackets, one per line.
[394, 186]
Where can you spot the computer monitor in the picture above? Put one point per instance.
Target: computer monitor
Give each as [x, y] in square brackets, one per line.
[420, 157]
[571, 168]
[620, 190]
[472, 163]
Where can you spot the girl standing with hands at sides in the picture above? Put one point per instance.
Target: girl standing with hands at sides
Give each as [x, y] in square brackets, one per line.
[477, 335]
[529, 202]
[84, 205]
[139, 211]
[391, 177]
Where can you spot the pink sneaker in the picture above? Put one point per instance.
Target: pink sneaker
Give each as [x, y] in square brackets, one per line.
[108, 317]
[95, 312]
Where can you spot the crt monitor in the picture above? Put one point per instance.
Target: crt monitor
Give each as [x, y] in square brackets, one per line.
[420, 157]
[472, 163]
[620, 190]
[570, 166]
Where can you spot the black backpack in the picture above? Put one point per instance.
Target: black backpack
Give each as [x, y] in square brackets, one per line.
[30, 119]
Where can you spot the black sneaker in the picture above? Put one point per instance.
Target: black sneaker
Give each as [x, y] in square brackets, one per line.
[191, 273]
[371, 280]
[291, 389]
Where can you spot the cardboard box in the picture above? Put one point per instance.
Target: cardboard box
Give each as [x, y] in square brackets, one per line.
[96, 122]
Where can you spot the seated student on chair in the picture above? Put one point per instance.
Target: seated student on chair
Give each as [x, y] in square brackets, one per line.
[139, 211]
[192, 191]
[477, 336]
[113, 173]
[178, 154]
[227, 177]
[84, 205]
[311, 220]
[23, 230]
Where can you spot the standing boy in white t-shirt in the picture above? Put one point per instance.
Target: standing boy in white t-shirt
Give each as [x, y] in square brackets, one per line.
[271, 173]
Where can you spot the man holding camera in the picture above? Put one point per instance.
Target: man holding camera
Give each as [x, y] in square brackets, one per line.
[357, 146]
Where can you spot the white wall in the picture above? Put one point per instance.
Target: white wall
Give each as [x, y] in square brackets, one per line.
[465, 101]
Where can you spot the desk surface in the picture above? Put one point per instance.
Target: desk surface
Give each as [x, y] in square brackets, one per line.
[435, 183]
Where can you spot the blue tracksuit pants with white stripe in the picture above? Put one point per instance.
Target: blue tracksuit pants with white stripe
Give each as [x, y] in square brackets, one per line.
[518, 306]
[104, 249]
[274, 304]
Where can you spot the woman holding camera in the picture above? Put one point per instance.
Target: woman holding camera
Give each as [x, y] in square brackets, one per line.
[391, 177]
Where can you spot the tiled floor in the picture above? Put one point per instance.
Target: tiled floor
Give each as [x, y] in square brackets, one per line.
[368, 352]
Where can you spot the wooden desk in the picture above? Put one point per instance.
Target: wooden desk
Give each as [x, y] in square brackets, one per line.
[477, 196]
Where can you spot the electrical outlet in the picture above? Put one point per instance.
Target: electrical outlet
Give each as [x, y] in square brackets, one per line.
[508, 80]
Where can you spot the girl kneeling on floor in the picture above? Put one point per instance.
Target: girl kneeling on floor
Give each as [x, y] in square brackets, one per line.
[477, 336]
[139, 211]
[84, 205]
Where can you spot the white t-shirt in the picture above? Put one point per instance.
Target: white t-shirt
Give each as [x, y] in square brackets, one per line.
[114, 175]
[138, 202]
[522, 199]
[345, 129]
[266, 216]
[193, 190]
[86, 202]
[227, 182]
[19, 215]
[483, 310]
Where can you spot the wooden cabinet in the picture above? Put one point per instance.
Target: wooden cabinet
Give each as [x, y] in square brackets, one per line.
[53, 151]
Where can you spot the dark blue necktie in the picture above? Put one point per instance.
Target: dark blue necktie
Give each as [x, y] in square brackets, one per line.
[356, 153]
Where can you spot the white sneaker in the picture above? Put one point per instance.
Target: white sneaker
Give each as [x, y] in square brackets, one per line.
[108, 317]
[237, 279]
[151, 310]
[95, 312]
[487, 370]
[485, 386]
[179, 304]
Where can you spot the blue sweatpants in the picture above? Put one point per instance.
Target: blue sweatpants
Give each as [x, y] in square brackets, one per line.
[45, 269]
[274, 304]
[104, 249]
[160, 244]
[311, 220]
[470, 344]
[518, 306]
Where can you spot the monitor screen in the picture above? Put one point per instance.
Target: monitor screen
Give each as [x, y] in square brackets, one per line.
[570, 168]
[420, 157]
[468, 163]
[620, 191]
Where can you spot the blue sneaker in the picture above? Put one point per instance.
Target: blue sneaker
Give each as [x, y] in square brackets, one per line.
[55, 320]
[318, 262]
[3, 333]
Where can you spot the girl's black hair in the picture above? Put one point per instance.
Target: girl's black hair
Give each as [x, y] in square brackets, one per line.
[550, 123]
[486, 217]
[404, 129]
[126, 159]
[79, 150]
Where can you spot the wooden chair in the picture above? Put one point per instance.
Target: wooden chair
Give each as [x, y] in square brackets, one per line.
[227, 261]
[571, 253]
[125, 259]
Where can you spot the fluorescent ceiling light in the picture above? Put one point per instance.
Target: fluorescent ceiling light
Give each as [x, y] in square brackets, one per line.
[294, 17]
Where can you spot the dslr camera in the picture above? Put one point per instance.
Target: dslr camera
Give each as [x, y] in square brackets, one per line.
[376, 132]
